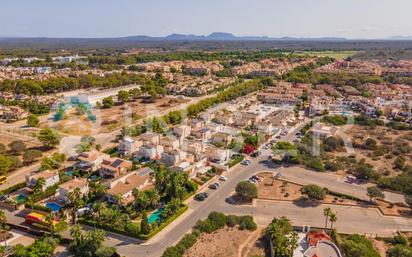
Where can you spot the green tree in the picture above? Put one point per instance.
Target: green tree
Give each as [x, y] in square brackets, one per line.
[30, 156]
[246, 190]
[314, 192]
[374, 192]
[332, 218]
[6, 164]
[33, 120]
[326, 212]
[284, 238]
[145, 226]
[49, 137]
[107, 102]
[39, 185]
[17, 146]
[122, 96]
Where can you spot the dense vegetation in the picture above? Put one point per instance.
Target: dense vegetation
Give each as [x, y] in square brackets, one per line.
[214, 221]
[54, 85]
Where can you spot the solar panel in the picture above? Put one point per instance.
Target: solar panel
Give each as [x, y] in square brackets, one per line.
[144, 172]
[116, 163]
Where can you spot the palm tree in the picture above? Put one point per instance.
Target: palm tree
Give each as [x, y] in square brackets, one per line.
[75, 202]
[50, 221]
[39, 185]
[326, 212]
[332, 218]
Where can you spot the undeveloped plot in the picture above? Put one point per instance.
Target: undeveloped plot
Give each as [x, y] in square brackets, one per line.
[226, 242]
[274, 189]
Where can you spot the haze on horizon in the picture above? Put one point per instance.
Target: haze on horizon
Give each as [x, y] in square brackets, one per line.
[273, 18]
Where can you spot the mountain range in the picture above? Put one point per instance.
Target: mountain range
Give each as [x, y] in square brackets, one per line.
[220, 36]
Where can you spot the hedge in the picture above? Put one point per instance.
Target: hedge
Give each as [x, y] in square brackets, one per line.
[38, 207]
[130, 232]
[13, 188]
[164, 224]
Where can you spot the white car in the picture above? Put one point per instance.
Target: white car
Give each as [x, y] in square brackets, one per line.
[222, 178]
[246, 162]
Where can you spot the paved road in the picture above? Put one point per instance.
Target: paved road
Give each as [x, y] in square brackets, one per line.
[19, 175]
[351, 219]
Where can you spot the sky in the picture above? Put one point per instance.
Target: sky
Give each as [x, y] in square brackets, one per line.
[274, 18]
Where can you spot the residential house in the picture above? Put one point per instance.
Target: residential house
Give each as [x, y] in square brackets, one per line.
[149, 152]
[123, 186]
[222, 138]
[91, 160]
[203, 134]
[320, 245]
[114, 167]
[170, 141]
[51, 178]
[322, 131]
[182, 131]
[192, 147]
[66, 188]
[172, 156]
[217, 155]
[153, 138]
[127, 146]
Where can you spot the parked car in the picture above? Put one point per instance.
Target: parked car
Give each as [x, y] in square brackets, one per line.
[246, 162]
[256, 178]
[222, 178]
[201, 196]
[255, 154]
[214, 186]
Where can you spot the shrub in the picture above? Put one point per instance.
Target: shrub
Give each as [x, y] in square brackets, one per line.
[232, 220]
[172, 251]
[314, 192]
[133, 229]
[205, 226]
[187, 241]
[246, 190]
[357, 245]
[218, 219]
[248, 223]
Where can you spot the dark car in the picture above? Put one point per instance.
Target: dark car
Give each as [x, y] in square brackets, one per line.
[255, 154]
[201, 196]
[214, 186]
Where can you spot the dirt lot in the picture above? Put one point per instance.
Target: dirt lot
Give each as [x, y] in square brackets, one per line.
[112, 118]
[286, 191]
[387, 140]
[227, 242]
[282, 190]
[7, 139]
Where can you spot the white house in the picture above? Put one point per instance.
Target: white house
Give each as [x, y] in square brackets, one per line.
[51, 178]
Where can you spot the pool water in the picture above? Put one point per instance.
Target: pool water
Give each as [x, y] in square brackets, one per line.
[69, 173]
[54, 206]
[155, 216]
[21, 199]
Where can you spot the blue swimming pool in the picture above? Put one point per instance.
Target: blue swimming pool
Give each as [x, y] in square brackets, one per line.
[54, 206]
[69, 173]
[155, 216]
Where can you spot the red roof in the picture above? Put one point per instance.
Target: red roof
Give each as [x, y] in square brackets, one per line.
[314, 237]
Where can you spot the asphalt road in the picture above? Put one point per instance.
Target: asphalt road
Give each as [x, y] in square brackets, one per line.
[350, 219]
